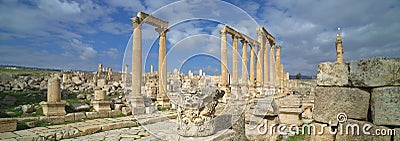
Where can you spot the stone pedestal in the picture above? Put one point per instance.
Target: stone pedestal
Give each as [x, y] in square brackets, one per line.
[53, 108]
[100, 104]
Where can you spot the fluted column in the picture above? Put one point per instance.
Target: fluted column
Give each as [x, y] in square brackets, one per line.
[224, 59]
[266, 70]
[235, 63]
[272, 65]
[244, 63]
[162, 97]
[137, 100]
[252, 52]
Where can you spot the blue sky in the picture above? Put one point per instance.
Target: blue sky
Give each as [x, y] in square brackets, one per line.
[80, 34]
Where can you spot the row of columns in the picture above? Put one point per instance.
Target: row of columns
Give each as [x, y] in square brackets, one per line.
[268, 72]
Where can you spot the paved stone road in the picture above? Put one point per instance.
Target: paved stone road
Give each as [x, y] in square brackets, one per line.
[121, 128]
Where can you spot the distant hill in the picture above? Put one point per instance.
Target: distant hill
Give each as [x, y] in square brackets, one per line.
[302, 77]
[33, 68]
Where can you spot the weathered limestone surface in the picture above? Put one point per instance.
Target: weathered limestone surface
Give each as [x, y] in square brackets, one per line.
[380, 71]
[7, 125]
[330, 101]
[290, 116]
[385, 106]
[349, 125]
[333, 74]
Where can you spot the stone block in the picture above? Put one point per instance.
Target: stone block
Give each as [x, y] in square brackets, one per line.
[53, 108]
[333, 74]
[330, 101]
[126, 111]
[112, 126]
[348, 130]
[85, 130]
[289, 119]
[101, 106]
[52, 119]
[385, 106]
[114, 113]
[28, 138]
[79, 116]
[103, 113]
[7, 125]
[24, 133]
[374, 72]
[92, 114]
[70, 117]
[7, 135]
[291, 101]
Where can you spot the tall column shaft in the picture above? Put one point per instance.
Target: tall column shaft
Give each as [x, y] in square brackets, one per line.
[162, 69]
[244, 63]
[272, 64]
[224, 59]
[252, 56]
[266, 70]
[53, 90]
[260, 59]
[137, 60]
[235, 62]
[278, 66]
[137, 102]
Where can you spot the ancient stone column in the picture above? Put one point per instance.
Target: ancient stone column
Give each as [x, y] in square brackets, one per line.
[266, 68]
[244, 63]
[53, 90]
[260, 59]
[100, 104]
[151, 68]
[54, 106]
[278, 66]
[224, 59]
[235, 62]
[99, 95]
[339, 48]
[137, 102]
[100, 68]
[272, 65]
[162, 98]
[252, 52]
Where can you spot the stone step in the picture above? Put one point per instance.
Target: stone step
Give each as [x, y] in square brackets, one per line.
[71, 130]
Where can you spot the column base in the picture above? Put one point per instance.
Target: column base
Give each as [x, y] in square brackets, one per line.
[137, 105]
[101, 106]
[53, 108]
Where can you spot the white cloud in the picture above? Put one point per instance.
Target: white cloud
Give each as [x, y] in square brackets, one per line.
[84, 50]
[112, 53]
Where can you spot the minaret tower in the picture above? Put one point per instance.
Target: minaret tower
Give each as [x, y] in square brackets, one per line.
[339, 48]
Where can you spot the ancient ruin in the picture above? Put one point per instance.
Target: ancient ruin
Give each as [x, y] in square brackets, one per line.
[190, 105]
[54, 106]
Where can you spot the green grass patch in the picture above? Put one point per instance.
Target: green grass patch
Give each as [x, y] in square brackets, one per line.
[42, 124]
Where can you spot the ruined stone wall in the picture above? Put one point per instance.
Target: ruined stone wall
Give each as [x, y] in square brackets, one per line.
[366, 91]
